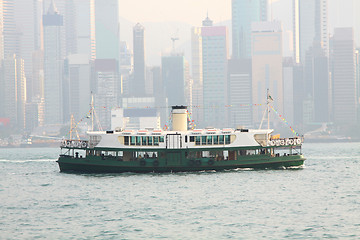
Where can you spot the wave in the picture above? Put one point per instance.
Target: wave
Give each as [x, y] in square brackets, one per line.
[27, 160]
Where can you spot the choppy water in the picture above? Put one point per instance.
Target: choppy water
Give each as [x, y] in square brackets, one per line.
[321, 200]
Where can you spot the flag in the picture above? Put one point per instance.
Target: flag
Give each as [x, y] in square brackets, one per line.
[270, 98]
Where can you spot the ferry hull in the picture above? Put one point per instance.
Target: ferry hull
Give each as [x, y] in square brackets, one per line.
[85, 165]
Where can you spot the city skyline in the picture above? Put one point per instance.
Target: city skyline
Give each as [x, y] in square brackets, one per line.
[76, 48]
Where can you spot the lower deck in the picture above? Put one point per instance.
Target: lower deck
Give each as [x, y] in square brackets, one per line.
[112, 160]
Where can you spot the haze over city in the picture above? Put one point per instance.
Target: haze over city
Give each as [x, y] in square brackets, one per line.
[138, 58]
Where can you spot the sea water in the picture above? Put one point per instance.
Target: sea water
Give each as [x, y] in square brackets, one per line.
[319, 200]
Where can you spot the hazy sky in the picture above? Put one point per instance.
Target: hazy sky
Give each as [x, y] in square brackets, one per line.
[194, 11]
[189, 11]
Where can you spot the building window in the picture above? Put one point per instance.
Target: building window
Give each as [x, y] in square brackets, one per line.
[143, 140]
[203, 140]
[209, 140]
[138, 140]
[221, 139]
[156, 141]
[227, 139]
[197, 140]
[149, 141]
[192, 138]
[216, 139]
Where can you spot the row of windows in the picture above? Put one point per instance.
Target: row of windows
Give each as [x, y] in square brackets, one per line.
[143, 140]
[155, 140]
[210, 140]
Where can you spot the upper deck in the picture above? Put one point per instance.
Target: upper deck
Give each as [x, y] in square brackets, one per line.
[197, 138]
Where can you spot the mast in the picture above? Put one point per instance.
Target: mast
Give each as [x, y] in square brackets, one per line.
[268, 108]
[92, 111]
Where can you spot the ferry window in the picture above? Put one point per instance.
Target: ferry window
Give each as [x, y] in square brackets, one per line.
[192, 139]
[216, 139]
[138, 140]
[186, 139]
[197, 140]
[221, 139]
[203, 140]
[149, 141]
[209, 140]
[132, 140]
[126, 140]
[161, 138]
[227, 139]
[143, 140]
[156, 141]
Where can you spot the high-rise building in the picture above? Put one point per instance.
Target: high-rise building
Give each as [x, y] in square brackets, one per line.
[1, 33]
[214, 62]
[78, 75]
[240, 92]
[106, 75]
[197, 74]
[10, 34]
[15, 95]
[84, 14]
[107, 29]
[310, 23]
[344, 77]
[311, 49]
[174, 79]
[267, 65]
[244, 13]
[53, 66]
[138, 84]
[27, 20]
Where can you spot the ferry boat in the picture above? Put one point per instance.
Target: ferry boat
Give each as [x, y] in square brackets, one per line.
[179, 149]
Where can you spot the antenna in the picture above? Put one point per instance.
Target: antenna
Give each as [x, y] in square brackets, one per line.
[173, 39]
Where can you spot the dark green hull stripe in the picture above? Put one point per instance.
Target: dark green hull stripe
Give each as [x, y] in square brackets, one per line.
[66, 165]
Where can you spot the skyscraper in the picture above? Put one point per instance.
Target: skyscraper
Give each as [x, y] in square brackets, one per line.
[310, 24]
[84, 15]
[174, 78]
[267, 65]
[197, 74]
[107, 85]
[214, 60]
[53, 66]
[15, 94]
[107, 29]
[138, 84]
[240, 92]
[244, 12]
[344, 77]
[311, 49]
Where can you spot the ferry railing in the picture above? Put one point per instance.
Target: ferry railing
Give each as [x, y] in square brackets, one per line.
[81, 144]
[296, 141]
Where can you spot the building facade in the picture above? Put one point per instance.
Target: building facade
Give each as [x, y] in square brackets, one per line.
[244, 13]
[53, 66]
[344, 77]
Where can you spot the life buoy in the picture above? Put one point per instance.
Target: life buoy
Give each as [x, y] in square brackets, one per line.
[272, 143]
[291, 142]
[68, 143]
[156, 163]
[84, 144]
[298, 141]
[210, 162]
[142, 163]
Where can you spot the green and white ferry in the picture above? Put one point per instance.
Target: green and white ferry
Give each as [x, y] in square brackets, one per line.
[178, 150]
